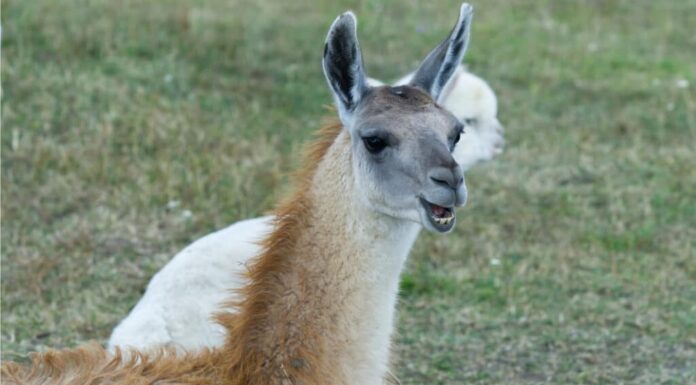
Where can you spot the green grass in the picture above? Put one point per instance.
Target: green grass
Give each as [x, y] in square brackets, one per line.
[111, 110]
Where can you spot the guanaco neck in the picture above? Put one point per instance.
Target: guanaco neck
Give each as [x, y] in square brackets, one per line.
[320, 303]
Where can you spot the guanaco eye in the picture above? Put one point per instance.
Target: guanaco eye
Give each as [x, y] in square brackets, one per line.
[456, 138]
[470, 121]
[458, 135]
[374, 144]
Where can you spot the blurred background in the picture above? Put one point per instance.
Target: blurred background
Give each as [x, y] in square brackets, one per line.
[131, 128]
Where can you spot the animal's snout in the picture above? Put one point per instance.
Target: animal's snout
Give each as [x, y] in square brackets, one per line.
[450, 177]
[498, 146]
[499, 128]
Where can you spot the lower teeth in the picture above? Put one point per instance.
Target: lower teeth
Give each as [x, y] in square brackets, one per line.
[443, 221]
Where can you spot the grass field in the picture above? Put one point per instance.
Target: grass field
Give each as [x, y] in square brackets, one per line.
[130, 128]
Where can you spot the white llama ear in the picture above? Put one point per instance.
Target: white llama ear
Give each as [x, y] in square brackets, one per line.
[437, 68]
[343, 66]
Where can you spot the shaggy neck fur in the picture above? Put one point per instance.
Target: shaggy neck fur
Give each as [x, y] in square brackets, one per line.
[319, 308]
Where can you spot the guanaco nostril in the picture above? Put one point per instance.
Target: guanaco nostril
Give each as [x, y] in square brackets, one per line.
[451, 178]
[440, 182]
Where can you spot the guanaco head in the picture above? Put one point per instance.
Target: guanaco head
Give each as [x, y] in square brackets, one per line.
[401, 138]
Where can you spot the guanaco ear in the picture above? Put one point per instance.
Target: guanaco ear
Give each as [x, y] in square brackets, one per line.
[437, 68]
[343, 66]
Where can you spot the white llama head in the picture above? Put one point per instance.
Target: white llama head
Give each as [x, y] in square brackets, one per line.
[474, 103]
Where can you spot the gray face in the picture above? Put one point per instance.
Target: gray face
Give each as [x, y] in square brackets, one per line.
[401, 138]
[401, 143]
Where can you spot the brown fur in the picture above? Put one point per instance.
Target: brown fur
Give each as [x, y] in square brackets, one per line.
[244, 359]
[91, 365]
[248, 364]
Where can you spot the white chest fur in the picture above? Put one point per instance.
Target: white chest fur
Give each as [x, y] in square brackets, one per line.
[373, 315]
[366, 269]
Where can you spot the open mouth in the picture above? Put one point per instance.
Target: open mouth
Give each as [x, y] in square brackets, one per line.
[442, 218]
[498, 147]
